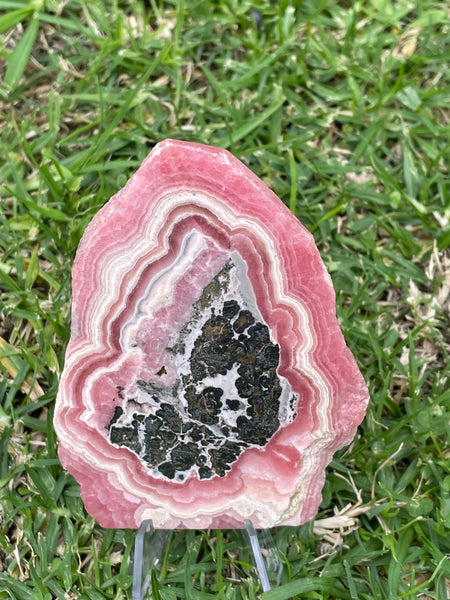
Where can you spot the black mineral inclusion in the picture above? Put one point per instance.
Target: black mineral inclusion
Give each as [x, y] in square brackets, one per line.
[174, 443]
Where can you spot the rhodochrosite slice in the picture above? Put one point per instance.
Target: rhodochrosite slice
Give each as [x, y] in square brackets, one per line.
[206, 379]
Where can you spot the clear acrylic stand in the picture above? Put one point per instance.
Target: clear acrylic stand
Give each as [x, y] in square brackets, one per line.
[149, 547]
[266, 557]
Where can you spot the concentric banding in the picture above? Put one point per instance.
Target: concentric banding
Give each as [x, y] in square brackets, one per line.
[139, 270]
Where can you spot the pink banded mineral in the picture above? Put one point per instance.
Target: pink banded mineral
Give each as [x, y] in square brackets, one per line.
[206, 380]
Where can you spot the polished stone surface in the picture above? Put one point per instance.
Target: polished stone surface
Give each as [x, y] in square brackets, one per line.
[227, 397]
[206, 380]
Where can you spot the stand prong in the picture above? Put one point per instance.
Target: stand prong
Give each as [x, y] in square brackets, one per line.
[148, 548]
[271, 564]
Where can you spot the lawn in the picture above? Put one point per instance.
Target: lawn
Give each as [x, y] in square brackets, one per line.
[343, 109]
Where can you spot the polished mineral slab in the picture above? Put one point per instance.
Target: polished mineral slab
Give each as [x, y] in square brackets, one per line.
[206, 379]
[227, 396]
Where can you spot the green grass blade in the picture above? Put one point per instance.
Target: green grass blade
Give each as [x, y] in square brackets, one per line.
[308, 584]
[246, 128]
[13, 18]
[19, 58]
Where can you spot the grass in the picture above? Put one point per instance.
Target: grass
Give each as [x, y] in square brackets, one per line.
[343, 109]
